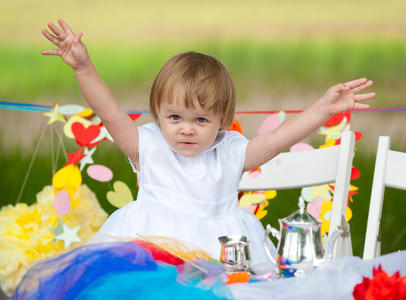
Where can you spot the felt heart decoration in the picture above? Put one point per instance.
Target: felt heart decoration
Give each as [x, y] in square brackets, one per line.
[120, 196]
[67, 128]
[337, 118]
[85, 135]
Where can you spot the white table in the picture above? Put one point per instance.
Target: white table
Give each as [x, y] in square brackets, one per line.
[335, 280]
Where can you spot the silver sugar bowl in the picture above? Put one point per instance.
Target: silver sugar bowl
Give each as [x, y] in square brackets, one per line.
[235, 254]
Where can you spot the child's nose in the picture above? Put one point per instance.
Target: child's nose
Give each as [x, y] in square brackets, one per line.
[187, 129]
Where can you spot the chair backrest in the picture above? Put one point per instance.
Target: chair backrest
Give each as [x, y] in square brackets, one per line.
[390, 171]
[309, 168]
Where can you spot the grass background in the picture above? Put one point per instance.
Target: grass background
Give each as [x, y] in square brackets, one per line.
[281, 54]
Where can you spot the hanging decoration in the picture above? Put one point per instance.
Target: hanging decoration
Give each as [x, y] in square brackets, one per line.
[65, 213]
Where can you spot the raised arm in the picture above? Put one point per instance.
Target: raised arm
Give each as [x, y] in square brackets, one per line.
[338, 98]
[74, 53]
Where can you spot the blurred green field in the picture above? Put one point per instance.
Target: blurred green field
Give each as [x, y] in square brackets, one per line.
[267, 67]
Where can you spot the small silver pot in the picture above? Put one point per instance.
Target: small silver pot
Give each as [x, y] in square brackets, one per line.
[235, 253]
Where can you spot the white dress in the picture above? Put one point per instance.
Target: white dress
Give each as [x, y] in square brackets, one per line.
[192, 199]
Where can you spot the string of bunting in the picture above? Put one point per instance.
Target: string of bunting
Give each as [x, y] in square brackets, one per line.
[47, 108]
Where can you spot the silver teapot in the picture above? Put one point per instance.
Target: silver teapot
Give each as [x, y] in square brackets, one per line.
[300, 248]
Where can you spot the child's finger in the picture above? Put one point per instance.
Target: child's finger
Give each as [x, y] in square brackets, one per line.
[361, 106]
[341, 87]
[59, 34]
[78, 37]
[50, 52]
[356, 82]
[50, 37]
[65, 26]
[363, 86]
[363, 97]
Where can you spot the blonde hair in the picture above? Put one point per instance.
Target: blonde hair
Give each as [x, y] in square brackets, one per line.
[200, 79]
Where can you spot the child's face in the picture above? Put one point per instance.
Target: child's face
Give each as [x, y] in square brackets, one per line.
[189, 131]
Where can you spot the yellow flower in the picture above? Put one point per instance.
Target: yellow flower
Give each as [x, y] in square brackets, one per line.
[250, 199]
[256, 202]
[262, 212]
[326, 213]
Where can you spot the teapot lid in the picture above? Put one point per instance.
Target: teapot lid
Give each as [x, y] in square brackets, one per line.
[300, 217]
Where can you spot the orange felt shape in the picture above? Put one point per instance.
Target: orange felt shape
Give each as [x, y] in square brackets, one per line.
[238, 277]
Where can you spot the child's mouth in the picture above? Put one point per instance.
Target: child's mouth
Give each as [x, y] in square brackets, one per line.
[187, 144]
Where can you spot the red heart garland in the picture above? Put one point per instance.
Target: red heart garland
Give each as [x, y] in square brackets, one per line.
[85, 135]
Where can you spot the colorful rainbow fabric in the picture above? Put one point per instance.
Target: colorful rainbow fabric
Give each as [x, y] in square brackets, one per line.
[117, 270]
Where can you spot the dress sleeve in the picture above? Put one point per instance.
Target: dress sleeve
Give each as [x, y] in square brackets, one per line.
[146, 141]
[233, 148]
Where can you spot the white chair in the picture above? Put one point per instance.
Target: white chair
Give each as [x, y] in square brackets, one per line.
[390, 171]
[309, 168]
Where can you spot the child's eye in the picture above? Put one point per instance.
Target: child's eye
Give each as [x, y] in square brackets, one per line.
[175, 117]
[201, 120]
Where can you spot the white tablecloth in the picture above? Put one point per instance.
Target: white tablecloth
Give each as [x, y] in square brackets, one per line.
[335, 280]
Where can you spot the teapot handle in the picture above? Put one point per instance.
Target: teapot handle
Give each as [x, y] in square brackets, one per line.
[328, 257]
[275, 233]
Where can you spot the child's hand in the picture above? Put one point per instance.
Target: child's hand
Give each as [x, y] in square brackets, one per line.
[70, 47]
[342, 97]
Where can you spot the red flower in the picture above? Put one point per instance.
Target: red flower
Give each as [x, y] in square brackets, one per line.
[381, 286]
[402, 287]
[360, 290]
